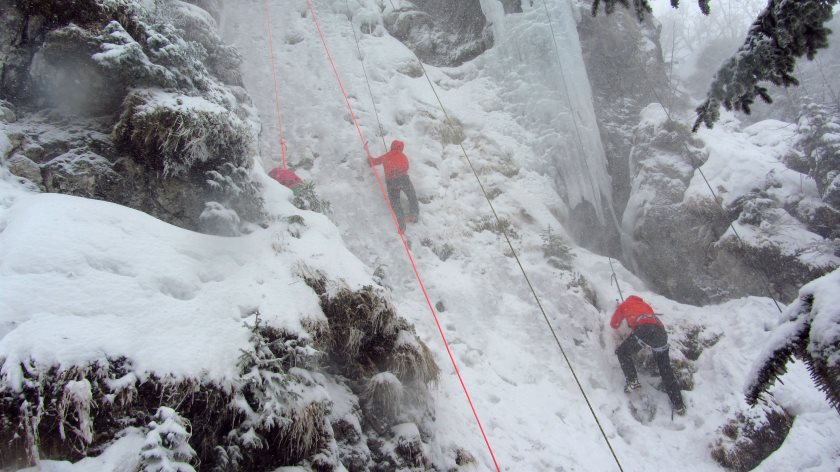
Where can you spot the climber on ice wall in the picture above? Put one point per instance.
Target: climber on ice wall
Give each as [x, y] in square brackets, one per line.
[648, 331]
[395, 165]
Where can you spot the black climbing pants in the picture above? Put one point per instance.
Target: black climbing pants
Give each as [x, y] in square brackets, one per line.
[395, 187]
[655, 337]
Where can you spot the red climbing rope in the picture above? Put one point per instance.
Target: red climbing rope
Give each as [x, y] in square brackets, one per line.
[276, 88]
[402, 237]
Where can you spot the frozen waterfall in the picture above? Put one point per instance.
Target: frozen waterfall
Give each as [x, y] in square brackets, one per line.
[546, 87]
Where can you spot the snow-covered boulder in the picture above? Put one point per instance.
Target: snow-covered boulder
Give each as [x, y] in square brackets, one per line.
[441, 32]
[746, 239]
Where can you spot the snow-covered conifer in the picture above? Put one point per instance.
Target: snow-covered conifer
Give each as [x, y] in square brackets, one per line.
[820, 126]
[784, 32]
[810, 331]
[555, 250]
[641, 7]
[167, 448]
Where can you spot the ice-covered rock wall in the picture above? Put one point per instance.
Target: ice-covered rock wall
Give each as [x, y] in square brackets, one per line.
[675, 235]
[626, 72]
[441, 32]
[537, 66]
[138, 103]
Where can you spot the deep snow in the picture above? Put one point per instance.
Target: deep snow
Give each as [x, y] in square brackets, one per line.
[524, 394]
[79, 278]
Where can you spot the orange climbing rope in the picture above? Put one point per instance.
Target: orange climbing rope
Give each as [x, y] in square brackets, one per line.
[402, 237]
[277, 110]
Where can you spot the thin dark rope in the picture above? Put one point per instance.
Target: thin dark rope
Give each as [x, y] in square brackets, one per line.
[516, 256]
[615, 278]
[524, 274]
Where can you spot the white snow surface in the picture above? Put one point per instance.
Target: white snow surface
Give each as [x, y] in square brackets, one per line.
[823, 316]
[507, 101]
[743, 161]
[80, 279]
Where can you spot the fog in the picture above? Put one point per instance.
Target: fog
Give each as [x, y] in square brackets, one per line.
[694, 46]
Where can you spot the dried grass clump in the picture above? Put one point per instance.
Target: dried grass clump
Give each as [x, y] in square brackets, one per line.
[173, 138]
[442, 251]
[306, 432]
[412, 361]
[391, 369]
[361, 323]
[307, 198]
[499, 227]
[366, 336]
[383, 394]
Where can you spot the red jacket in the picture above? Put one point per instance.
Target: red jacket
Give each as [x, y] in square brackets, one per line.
[394, 161]
[286, 177]
[635, 311]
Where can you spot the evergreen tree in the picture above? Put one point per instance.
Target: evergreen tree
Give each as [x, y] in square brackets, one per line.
[784, 32]
[641, 6]
[557, 253]
[167, 448]
[809, 334]
[820, 126]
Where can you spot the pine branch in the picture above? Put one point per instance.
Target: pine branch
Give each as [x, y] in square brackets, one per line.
[775, 365]
[640, 6]
[827, 379]
[784, 32]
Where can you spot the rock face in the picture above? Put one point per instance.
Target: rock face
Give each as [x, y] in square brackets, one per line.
[624, 63]
[89, 117]
[683, 246]
[668, 241]
[699, 250]
[441, 32]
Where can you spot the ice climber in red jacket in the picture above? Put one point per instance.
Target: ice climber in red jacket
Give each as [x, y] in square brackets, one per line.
[648, 331]
[395, 164]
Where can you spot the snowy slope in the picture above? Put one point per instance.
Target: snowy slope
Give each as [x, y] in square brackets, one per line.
[741, 162]
[80, 277]
[524, 394]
